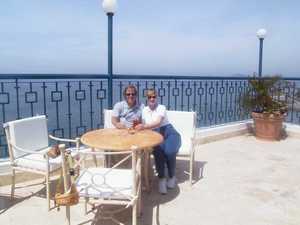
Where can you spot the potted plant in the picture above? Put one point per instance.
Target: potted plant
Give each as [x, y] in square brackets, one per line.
[266, 100]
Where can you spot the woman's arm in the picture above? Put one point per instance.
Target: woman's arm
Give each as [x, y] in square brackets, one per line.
[152, 119]
[155, 124]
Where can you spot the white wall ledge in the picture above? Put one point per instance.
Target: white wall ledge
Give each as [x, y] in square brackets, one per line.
[219, 132]
[4, 166]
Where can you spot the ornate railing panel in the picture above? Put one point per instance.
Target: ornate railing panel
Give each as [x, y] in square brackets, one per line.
[216, 101]
[73, 106]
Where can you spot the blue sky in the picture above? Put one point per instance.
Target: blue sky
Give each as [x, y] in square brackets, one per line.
[216, 37]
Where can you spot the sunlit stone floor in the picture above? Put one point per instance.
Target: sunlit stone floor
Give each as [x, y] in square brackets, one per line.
[240, 181]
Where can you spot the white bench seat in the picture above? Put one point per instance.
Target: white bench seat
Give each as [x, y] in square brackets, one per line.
[184, 122]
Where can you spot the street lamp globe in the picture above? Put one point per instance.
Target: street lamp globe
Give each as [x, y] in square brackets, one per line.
[109, 6]
[261, 33]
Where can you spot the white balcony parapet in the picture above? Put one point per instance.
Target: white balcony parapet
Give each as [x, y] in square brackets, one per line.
[206, 135]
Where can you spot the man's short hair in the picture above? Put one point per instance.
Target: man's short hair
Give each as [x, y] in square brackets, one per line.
[129, 87]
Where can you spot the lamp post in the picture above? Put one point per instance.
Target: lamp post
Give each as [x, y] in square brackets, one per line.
[109, 7]
[261, 34]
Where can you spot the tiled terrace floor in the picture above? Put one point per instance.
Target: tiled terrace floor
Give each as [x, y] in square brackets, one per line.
[244, 182]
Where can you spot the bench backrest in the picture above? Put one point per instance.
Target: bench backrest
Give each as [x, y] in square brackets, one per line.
[107, 118]
[185, 123]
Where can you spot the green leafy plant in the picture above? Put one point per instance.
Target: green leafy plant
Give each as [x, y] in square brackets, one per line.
[265, 95]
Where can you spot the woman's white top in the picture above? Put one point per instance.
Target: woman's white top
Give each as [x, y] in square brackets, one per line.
[150, 116]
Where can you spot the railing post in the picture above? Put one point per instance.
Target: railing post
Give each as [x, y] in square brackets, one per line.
[110, 59]
[17, 98]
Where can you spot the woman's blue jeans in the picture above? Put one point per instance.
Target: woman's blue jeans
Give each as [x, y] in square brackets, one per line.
[165, 153]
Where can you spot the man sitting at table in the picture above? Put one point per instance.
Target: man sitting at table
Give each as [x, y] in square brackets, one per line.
[127, 112]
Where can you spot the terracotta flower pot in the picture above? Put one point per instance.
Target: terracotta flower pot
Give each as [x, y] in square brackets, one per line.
[268, 126]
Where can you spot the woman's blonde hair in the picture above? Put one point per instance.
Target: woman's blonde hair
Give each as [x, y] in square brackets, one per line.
[151, 92]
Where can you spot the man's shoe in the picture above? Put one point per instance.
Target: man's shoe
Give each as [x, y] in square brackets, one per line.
[162, 186]
[171, 182]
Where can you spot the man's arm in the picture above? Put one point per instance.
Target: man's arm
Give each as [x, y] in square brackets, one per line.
[116, 122]
[115, 118]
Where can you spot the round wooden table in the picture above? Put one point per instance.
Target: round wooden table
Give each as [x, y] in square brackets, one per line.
[123, 140]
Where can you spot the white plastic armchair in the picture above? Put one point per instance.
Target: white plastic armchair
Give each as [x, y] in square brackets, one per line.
[98, 186]
[28, 145]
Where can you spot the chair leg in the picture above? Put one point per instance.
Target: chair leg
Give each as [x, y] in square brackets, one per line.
[151, 170]
[146, 175]
[134, 214]
[48, 190]
[94, 158]
[139, 206]
[85, 206]
[68, 215]
[191, 167]
[13, 183]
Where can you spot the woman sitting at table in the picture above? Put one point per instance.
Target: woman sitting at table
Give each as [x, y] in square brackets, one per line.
[154, 117]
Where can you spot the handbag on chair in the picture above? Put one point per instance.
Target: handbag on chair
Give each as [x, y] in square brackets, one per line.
[54, 151]
[71, 197]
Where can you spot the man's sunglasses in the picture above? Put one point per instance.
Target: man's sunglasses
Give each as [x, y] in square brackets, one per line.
[130, 94]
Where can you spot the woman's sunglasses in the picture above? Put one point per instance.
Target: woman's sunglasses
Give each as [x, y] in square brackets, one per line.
[153, 96]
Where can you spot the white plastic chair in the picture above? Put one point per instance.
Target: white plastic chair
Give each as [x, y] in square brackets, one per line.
[28, 144]
[108, 186]
[185, 124]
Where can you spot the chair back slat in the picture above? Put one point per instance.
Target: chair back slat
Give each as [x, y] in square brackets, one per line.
[183, 121]
[29, 133]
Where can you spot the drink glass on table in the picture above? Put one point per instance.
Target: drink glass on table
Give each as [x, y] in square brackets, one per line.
[135, 123]
[131, 130]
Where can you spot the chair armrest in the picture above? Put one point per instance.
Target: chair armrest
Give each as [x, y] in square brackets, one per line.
[76, 140]
[27, 150]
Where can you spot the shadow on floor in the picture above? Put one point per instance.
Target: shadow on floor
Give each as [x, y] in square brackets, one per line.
[152, 201]
[6, 202]
[37, 189]
[182, 167]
